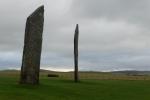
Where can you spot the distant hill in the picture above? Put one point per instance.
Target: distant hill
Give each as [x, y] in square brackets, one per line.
[13, 70]
[132, 72]
[125, 72]
[9, 70]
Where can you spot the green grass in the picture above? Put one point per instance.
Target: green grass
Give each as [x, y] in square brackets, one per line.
[66, 89]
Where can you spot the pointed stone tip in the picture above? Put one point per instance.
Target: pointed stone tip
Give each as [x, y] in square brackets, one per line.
[77, 28]
[77, 25]
[39, 9]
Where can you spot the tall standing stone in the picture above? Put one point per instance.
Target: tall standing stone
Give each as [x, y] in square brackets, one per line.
[76, 38]
[32, 47]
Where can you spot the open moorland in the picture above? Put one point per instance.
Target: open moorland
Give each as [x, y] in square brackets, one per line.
[92, 86]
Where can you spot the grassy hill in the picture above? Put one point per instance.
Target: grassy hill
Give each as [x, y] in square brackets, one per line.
[116, 75]
[93, 86]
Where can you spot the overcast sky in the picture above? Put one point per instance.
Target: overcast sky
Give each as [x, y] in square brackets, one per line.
[114, 34]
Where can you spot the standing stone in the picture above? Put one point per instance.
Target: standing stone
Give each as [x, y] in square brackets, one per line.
[32, 47]
[76, 38]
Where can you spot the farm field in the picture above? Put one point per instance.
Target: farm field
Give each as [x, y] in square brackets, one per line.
[93, 86]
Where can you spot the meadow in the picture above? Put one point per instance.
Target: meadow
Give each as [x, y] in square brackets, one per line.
[92, 86]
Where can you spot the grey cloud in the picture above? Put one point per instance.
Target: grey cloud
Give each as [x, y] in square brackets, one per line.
[114, 34]
[130, 10]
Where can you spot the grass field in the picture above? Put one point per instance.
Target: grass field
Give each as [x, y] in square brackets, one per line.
[63, 88]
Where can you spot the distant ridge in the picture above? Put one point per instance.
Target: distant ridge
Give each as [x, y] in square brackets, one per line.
[132, 72]
[123, 72]
[14, 70]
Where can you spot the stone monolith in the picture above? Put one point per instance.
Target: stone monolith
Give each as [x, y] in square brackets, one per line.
[76, 38]
[32, 47]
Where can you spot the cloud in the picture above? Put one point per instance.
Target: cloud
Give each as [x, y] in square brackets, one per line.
[129, 10]
[114, 34]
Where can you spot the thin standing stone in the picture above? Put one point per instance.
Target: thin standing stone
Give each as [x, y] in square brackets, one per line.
[76, 38]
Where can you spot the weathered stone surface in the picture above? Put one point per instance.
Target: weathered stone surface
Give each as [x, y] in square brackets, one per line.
[76, 38]
[32, 47]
